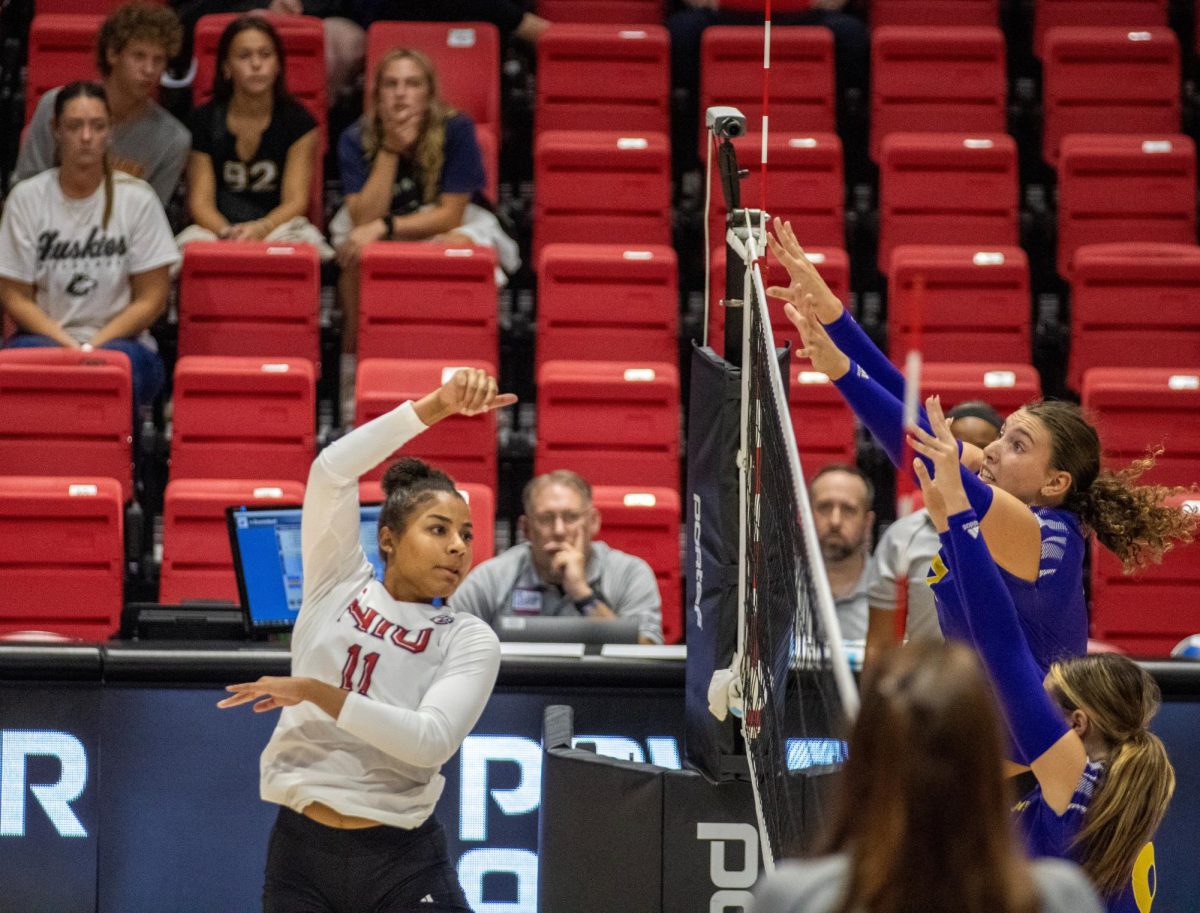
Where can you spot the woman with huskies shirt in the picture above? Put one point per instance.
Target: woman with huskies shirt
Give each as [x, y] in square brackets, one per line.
[386, 682]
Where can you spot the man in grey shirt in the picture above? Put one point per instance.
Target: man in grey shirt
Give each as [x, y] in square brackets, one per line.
[132, 49]
[841, 497]
[560, 570]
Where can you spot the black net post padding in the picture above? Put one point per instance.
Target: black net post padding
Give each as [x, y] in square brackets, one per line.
[712, 747]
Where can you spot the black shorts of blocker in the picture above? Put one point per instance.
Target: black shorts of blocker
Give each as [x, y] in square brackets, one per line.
[312, 868]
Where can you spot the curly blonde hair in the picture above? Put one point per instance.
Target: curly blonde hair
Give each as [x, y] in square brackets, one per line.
[430, 152]
[1132, 521]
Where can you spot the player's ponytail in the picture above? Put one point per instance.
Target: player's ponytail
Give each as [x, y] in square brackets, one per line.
[1133, 521]
[407, 484]
[1120, 698]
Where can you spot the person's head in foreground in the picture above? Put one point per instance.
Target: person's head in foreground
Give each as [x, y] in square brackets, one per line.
[1048, 454]
[559, 520]
[425, 532]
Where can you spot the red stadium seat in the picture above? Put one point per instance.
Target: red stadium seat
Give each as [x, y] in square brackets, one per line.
[420, 300]
[603, 77]
[62, 49]
[1147, 613]
[1108, 80]
[1160, 282]
[614, 423]
[832, 263]
[196, 560]
[937, 80]
[959, 303]
[82, 6]
[946, 188]
[243, 418]
[615, 12]
[937, 13]
[62, 555]
[1004, 387]
[489, 151]
[823, 423]
[1138, 408]
[802, 85]
[250, 298]
[64, 411]
[463, 446]
[805, 185]
[645, 523]
[1125, 188]
[303, 39]
[466, 56]
[606, 188]
[598, 299]
[1127, 14]
[481, 502]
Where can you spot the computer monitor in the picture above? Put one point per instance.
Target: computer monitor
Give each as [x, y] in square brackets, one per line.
[266, 558]
[566, 629]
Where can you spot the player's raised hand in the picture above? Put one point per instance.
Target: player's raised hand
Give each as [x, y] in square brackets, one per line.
[805, 280]
[941, 449]
[469, 391]
[815, 343]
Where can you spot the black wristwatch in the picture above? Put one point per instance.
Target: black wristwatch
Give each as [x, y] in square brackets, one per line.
[387, 227]
[587, 604]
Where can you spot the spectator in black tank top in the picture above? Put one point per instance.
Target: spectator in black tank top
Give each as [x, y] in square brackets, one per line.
[253, 147]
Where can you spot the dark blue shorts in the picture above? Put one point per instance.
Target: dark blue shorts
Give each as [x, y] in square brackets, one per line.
[312, 868]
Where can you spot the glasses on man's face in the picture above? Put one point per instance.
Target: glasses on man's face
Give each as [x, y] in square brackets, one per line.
[549, 519]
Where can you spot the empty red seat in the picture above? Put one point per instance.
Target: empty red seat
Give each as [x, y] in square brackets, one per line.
[645, 522]
[595, 300]
[66, 411]
[959, 303]
[1147, 613]
[250, 298]
[934, 12]
[805, 185]
[481, 502]
[937, 80]
[614, 423]
[303, 39]
[243, 418]
[598, 187]
[196, 561]
[466, 56]
[619, 12]
[832, 263]
[420, 300]
[62, 49]
[823, 423]
[1108, 80]
[1133, 14]
[603, 77]
[1134, 306]
[1125, 188]
[1004, 387]
[62, 555]
[946, 188]
[462, 446]
[1138, 408]
[802, 85]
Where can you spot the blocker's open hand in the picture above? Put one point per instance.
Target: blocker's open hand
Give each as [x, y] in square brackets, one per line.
[815, 343]
[805, 280]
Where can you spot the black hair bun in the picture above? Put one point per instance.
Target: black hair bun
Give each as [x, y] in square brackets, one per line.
[404, 473]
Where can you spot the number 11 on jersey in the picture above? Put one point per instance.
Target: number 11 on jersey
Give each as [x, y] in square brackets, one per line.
[348, 670]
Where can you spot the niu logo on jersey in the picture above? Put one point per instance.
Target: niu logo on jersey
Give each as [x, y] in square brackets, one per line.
[371, 622]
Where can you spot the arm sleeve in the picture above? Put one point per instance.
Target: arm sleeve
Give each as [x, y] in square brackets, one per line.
[462, 170]
[351, 165]
[37, 148]
[430, 735]
[151, 242]
[329, 524]
[169, 169]
[883, 414]
[18, 249]
[639, 598]
[996, 632]
[851, 339]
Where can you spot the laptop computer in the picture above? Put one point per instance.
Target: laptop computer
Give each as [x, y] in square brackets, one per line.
[566, 629]
[266, 559]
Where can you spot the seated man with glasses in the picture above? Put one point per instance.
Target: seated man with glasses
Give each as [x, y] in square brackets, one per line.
[560, 570]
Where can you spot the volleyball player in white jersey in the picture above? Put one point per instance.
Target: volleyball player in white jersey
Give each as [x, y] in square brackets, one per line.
[386, 683]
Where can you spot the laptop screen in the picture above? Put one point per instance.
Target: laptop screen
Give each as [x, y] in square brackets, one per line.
[266, 557]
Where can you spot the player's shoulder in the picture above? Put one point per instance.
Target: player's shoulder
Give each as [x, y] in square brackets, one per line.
[134, 190]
